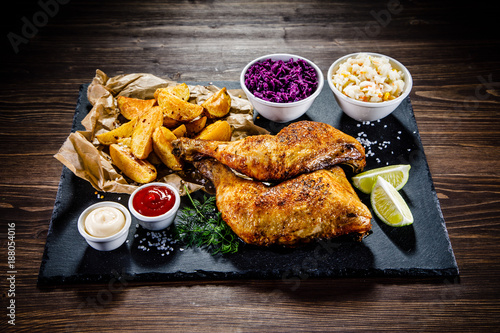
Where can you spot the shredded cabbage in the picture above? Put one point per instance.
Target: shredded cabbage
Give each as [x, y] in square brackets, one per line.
[281, 81]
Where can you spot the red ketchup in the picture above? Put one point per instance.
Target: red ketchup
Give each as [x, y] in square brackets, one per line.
[154, 200]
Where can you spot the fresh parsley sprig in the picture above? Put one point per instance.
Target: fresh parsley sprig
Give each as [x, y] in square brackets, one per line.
[202, 226]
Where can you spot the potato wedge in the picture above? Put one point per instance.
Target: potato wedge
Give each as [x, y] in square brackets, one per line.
[142, 143]
[178, 109]
[180, 131]
[169, 122]
[162, 146]
[157, 107]
[196, 126]
[121, 132]
[168, 134]
[180, 90]
[133, 107]
[218, 105]
[125, 142]
[140, 171]
[220, 131]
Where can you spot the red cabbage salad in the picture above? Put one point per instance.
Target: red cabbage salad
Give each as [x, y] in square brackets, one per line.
[281, 81]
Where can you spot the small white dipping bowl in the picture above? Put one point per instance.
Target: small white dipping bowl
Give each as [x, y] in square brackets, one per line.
[105, 243]
[368, 111]
[155, 222]
[282, 112]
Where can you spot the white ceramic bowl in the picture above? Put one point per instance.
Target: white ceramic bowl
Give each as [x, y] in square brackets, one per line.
[282, 112]
[368, 111]
[105, 243]
[156, 222]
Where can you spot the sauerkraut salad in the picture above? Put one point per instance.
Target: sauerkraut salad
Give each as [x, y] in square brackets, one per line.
[369, 78]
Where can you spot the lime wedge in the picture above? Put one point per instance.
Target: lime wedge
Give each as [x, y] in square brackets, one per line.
[389, 205]
[396, 175]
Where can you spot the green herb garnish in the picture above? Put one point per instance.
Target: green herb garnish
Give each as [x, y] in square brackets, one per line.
[202, 226]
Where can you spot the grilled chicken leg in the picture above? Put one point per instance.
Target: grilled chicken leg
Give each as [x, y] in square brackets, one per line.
[301, 147]
[321, 204]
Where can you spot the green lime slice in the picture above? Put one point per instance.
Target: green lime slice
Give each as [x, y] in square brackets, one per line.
[396, 175]
[389, 205]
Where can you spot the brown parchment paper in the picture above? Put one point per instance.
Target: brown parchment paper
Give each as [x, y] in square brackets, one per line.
[86, 157]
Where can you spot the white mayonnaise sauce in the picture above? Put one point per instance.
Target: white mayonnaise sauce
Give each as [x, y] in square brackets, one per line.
[104, 221]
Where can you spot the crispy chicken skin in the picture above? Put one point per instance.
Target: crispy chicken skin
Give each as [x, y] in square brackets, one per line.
[320, 204]
[301, 147]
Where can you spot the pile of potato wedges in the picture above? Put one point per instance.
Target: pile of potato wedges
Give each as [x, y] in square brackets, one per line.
[152, 124]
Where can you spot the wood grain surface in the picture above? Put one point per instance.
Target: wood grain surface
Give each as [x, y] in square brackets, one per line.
[451, 51]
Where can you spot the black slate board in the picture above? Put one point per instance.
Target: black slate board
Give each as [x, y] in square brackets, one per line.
[419, 250]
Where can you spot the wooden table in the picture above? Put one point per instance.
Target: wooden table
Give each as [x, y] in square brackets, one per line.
[452, 52]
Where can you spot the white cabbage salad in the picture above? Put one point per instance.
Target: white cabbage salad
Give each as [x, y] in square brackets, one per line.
[369, 78]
